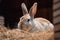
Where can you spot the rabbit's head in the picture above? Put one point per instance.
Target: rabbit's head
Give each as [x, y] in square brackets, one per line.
[27, 19]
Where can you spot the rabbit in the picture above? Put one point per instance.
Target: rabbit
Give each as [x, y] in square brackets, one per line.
[28, 23]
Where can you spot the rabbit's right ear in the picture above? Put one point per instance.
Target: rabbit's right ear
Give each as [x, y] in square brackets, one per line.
[24, 8]
[33, 10]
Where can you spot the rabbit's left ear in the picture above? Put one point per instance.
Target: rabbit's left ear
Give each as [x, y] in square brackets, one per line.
[33, 10]
[24, 8]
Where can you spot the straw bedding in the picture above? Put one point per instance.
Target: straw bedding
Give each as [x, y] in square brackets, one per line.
[17, 34]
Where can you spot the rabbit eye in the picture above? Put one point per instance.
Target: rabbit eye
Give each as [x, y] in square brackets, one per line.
[28, 20]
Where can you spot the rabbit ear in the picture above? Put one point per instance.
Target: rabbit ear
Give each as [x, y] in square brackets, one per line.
[24, 9]
[33, 10]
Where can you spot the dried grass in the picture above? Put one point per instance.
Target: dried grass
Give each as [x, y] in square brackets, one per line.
[17, 34]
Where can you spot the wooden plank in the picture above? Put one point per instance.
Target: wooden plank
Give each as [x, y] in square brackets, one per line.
[57, 27]
[1, 20]
[57, 32]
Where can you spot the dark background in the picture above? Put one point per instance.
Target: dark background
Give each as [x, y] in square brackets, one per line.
[11, 10]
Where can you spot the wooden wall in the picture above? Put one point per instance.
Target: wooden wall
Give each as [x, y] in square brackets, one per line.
[56, 18]
[56, 11]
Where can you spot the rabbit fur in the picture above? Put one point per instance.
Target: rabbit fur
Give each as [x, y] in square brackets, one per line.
[29, 23]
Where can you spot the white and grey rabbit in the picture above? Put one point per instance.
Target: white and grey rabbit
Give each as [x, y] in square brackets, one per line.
[29, 23]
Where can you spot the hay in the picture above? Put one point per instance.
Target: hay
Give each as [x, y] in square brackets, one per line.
[3, 29]
[17, 34]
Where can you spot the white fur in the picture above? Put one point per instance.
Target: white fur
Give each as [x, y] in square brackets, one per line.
[40, 27]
